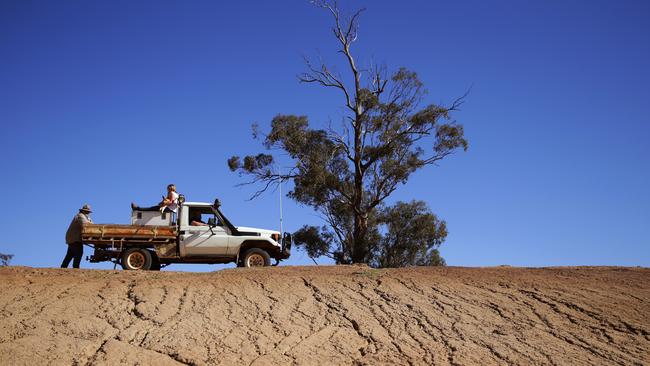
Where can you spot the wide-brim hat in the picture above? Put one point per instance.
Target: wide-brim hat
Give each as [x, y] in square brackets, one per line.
[86, 208]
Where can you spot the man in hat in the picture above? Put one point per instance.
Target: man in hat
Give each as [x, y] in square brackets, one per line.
[73, 237]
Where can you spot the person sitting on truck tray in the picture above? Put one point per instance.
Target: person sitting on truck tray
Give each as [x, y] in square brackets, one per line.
[73, 237]
[168, 204]
[196, 219]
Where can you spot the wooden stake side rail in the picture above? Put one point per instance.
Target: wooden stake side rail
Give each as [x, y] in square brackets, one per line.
[116, 234]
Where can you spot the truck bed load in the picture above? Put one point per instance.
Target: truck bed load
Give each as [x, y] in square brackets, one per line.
[111, 234]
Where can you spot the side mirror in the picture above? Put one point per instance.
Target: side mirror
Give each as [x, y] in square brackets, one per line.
[212, 222]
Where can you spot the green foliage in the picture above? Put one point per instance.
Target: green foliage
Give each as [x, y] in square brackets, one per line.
[435, 259]
[346, 174]
[406, 234]
[4, 259]
[412, 236]
[316, 241]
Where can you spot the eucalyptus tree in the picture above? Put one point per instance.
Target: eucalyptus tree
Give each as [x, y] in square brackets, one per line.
[347, 172]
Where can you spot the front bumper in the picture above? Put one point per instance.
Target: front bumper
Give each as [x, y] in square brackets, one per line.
[286, 246]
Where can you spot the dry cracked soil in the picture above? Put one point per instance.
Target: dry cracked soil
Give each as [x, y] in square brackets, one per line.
[343, 315]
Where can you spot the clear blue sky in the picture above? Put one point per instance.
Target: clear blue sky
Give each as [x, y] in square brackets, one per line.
[106, 102]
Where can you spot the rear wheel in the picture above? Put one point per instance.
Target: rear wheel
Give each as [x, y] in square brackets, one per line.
[135, 259]
[256, 257]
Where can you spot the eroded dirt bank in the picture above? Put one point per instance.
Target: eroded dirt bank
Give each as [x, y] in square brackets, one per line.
[326, 315]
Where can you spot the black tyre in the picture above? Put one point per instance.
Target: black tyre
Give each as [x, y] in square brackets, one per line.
[256, 257]
[155, 261]
[136, 259]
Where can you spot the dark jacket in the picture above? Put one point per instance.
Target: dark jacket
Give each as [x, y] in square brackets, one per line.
[73, 235]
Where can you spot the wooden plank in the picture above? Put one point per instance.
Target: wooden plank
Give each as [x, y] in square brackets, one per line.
[116, 232]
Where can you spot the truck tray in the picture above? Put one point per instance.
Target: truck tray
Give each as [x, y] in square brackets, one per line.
[114, 234]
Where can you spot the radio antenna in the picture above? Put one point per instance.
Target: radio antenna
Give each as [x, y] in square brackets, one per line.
[281, 228]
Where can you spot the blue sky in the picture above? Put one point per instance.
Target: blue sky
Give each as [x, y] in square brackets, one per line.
[108, 102]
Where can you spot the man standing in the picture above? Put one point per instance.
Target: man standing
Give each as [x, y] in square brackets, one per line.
[73, 237]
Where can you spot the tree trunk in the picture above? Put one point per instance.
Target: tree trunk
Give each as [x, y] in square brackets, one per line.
[360, 246]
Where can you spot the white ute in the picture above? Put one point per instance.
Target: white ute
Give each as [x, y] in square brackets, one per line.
[154, 240]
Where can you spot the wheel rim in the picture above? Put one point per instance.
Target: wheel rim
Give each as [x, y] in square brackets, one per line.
[135, 260]
[255, 260]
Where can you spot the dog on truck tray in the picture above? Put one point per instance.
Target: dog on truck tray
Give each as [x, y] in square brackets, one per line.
[168, 203]
[73, 237]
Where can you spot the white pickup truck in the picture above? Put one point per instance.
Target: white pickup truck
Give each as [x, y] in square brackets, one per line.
[155, 239]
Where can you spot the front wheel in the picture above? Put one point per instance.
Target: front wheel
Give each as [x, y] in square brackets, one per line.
[136, 259]
[256, 257]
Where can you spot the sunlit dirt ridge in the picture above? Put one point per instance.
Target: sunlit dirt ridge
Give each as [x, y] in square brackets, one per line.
[326, 315]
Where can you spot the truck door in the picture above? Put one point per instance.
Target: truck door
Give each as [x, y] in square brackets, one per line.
[203, 241]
